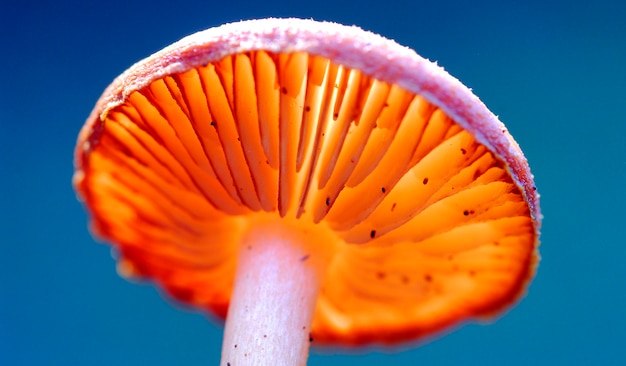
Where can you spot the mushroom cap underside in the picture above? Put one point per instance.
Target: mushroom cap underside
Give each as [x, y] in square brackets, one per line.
[428, 208]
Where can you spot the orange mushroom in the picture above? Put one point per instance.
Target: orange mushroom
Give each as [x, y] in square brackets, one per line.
[313, 180]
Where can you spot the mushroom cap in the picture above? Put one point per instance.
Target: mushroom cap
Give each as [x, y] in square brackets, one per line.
[428, 210]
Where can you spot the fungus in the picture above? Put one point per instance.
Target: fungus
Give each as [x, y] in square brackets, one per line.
[241, 168]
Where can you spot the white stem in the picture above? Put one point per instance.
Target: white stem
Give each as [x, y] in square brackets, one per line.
[273, 300]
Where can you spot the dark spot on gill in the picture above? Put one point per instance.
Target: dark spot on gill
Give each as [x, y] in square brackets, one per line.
[383, 189]
[425, 181]
[307, 108]
[213, 123]
[373, 234]
[463, 151]
[393, 207]
[327, 201]
[283, 90]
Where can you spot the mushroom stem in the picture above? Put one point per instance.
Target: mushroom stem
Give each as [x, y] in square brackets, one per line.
[273, 299]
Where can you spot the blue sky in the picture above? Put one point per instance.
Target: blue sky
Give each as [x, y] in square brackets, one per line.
[554, 74]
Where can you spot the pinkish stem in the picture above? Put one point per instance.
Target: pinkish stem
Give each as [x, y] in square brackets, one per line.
[274, 295]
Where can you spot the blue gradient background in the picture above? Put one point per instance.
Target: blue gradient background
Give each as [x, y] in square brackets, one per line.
[555, 74]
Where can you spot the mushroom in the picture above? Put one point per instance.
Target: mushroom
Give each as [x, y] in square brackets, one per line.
[309, 181]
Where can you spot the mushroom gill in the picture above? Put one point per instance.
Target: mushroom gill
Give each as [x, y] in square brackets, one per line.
[423, 225]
